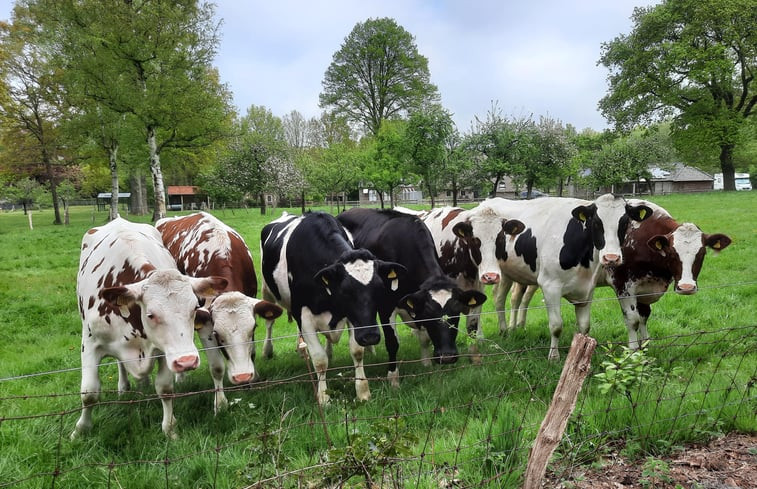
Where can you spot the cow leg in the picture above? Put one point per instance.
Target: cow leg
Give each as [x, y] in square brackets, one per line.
[645, 310]
[317, 354]
[583, 315]
[552, 299]
[268, 343]
[164, 388]
[629, 307]
[362, 389]
[90, 388]
[217, 367]
[500, 295]
[518, 317]
[424, 340]
[124, 385]
[392, 344]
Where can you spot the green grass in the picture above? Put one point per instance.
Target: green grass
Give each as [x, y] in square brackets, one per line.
[459, 422]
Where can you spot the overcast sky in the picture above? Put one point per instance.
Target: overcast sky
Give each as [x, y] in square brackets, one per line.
[533, 57]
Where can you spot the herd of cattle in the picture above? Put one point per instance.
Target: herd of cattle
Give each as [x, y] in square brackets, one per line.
[144, 291]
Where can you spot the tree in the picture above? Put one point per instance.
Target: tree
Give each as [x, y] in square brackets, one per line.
[31, 110]
[693, 60]
[377, 74]
[426, 133]
[386, 164]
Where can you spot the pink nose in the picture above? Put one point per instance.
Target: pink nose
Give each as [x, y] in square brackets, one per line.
[187, 362]
[611, 259]
[490, 278]
[686, 289]
[241, 378]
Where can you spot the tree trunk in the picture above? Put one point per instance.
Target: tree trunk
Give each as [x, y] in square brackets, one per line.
[262, 204]
[138, 196]
[112, 163]
[53, 186]
[302, 201]
[159, 212]
[726, 166]
[454, 192]
[66, 219]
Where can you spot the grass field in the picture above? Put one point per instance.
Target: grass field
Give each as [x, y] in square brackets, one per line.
[461, 425]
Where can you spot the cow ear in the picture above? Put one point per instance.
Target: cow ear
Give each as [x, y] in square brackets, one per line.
[470, 299]
[267, 310]
[123, 296]
[659, 244]
[202, 318]
[638, 212]
[412, 303]
[463, 230]
[328, 277]
[584, 212]
[513, 227]
[208, 286]
[391, 273]
[716, 241]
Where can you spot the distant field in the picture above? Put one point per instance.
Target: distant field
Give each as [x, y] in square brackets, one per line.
[466, 423]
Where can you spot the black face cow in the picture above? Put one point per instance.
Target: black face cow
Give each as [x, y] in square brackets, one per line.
[311, 268]
[428, 300]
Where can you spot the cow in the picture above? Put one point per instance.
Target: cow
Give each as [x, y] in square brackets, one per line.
[312, 269]
[204, 246]
[428, 300]
[563, 250]
[469, 245]
[137, 307]
[657, 252]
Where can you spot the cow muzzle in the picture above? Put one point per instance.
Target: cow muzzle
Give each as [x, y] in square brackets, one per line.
[445, 358]
[612, 259]
[490, 278]
[686, 289]
[186, 362]
[368, 338]
[244, 378]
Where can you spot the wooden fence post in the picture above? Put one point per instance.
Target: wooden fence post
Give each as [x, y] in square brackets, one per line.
[574, 372]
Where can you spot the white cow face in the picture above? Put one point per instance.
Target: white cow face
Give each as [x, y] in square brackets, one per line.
[685, 248]
[167, 301]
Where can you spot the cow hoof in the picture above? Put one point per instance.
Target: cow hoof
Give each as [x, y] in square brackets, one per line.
[394, 378]
[476, 359]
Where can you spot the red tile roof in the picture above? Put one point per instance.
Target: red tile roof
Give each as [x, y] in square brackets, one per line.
[182, 190]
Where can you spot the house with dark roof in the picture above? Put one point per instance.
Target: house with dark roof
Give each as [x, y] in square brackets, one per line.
[676, 178]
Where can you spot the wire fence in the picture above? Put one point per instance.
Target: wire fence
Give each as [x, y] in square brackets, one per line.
[470, 424]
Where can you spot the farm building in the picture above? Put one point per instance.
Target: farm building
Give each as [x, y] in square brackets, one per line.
[677, 179]
[185, 197]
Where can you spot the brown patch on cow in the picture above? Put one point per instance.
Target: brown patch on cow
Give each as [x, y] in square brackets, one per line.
[127, 275]
[91, 303]
[92, 231]
[450, 216]
[98, 265]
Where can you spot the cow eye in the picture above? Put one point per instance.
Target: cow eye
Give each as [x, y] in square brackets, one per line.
[150, 316]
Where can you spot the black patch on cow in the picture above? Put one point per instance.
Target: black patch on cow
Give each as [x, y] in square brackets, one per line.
[525, 247]
[273, 243]
[578, 247]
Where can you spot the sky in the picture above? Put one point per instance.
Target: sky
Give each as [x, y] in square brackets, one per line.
[536, 57]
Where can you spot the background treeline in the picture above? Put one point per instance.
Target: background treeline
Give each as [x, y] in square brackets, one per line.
[123, 96]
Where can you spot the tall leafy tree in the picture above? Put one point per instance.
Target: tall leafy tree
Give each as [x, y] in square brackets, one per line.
[693, 60]
[386, 165]
[31, 107]
[426, 133]
[377, 74]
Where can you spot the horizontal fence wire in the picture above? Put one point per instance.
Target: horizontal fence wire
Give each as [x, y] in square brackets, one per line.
[646, 404]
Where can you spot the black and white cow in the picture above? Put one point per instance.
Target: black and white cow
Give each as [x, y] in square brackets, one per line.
[563, 250]
[657, 252]
[137, 307]
[470, 244]
[428, 300]
[311, 268]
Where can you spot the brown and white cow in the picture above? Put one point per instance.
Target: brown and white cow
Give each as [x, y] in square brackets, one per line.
[204, 246]
[466, 242]
[656, 252]
[137, 307]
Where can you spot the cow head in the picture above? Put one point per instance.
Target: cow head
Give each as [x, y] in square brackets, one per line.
[684, 249]
[229, 323]
[358, 282]
[603, 220]
[167, 302]
[437, 308]
[484, 233]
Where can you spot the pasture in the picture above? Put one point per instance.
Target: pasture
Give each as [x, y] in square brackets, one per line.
[460, 425]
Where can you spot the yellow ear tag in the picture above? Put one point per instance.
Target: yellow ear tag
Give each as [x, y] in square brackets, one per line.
[392, 274]
[198, 326]
[410, 304]
[582, 216]
[472, 301]
[642, 213]
[658, 245]
[716, 245]
[268, 314]
[325, 280]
